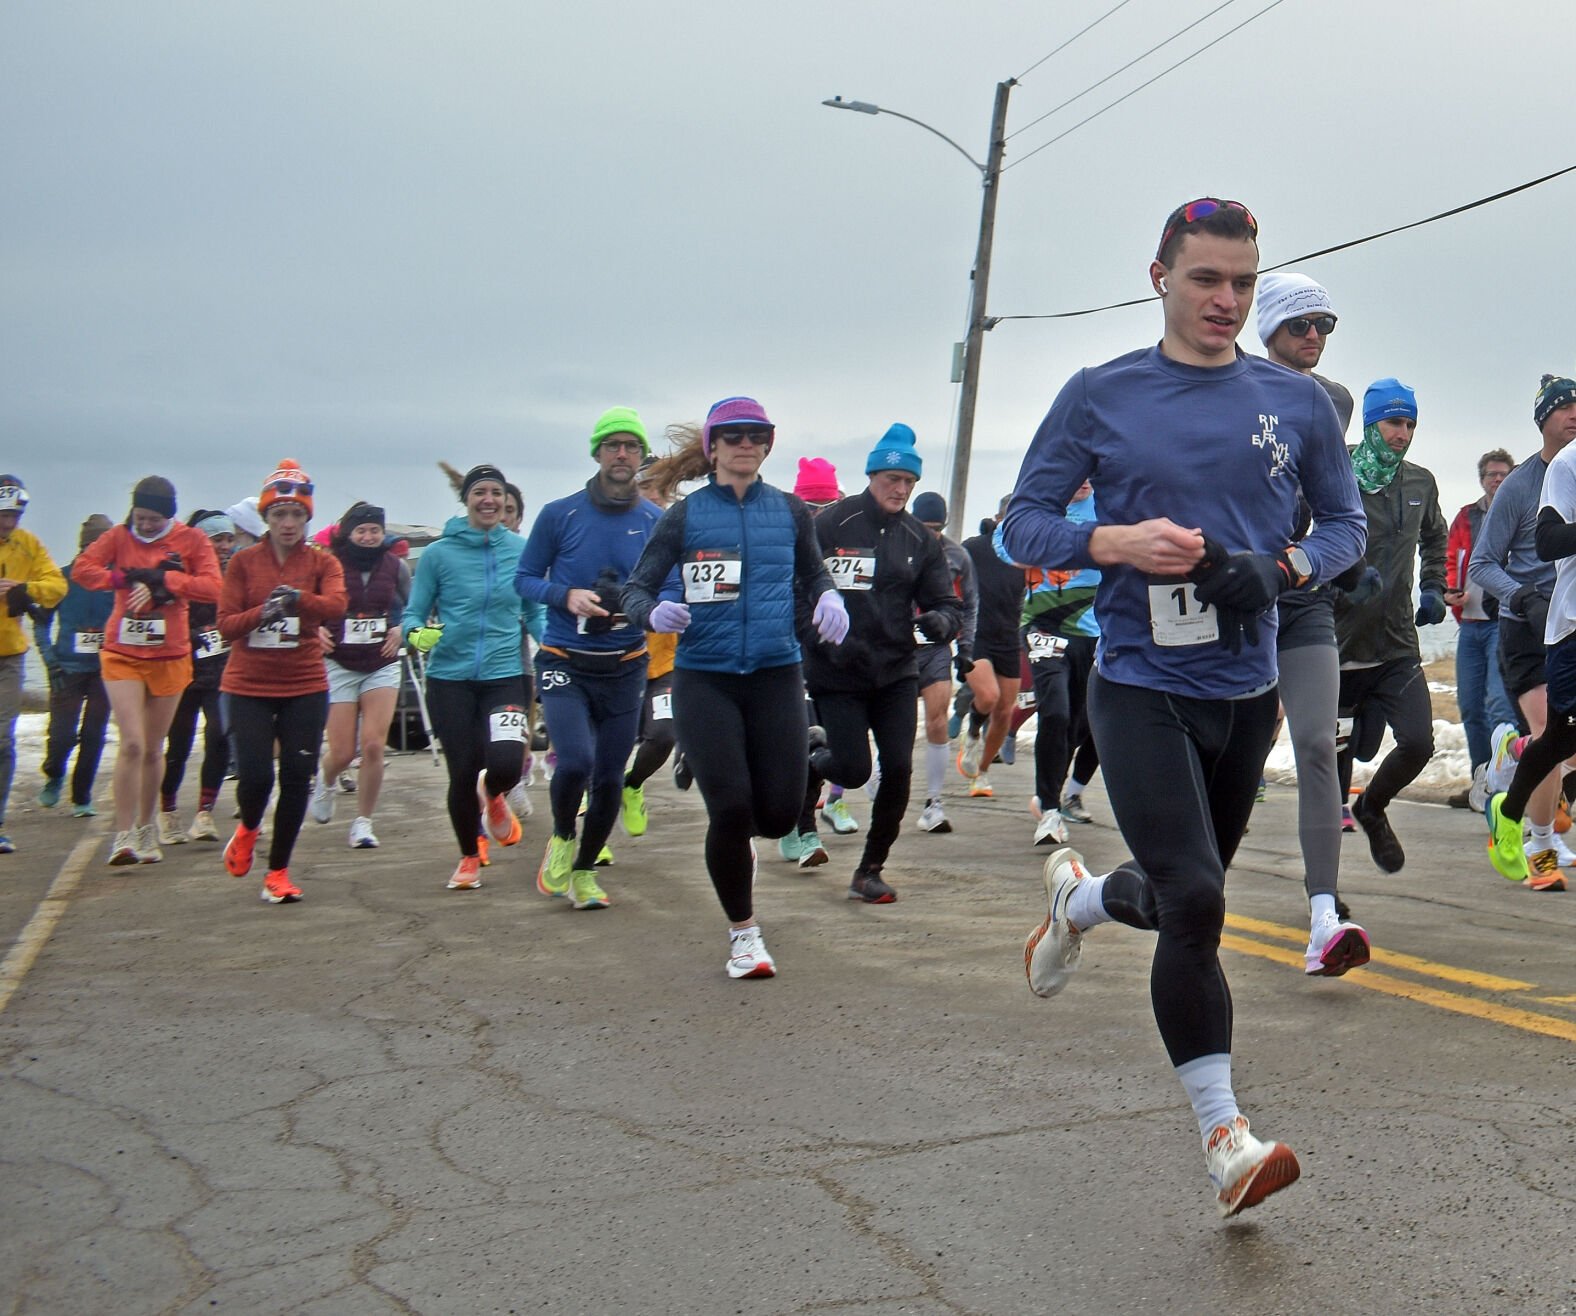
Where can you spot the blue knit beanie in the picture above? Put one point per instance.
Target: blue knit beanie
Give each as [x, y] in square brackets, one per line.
[895, 452]
[931, 508]
[1386, 398]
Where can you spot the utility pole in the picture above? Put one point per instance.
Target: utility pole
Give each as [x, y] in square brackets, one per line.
[975, 340]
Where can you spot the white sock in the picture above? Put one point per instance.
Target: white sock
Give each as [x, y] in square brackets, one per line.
[1086, 905]
[1542, 837]
[1075, 787]
[1207, 1081]
[1321, 907]
[936, 760]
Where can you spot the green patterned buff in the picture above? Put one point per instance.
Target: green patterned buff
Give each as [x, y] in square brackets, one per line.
[1373, 463]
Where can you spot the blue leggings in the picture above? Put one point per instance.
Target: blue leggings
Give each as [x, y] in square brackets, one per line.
[593, 719]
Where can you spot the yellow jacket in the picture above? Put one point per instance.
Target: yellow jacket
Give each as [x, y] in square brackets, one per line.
[663, 649]
[23, 557]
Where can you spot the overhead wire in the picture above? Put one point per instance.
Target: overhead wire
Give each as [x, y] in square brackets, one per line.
[1148, 82]
[1073, 38]
[1136, 60]
[992, 321]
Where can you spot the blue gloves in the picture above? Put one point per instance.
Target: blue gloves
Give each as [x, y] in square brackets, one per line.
[1430, 608]
[831, 617]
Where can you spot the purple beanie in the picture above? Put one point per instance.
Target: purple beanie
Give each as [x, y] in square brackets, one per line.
[732, 411]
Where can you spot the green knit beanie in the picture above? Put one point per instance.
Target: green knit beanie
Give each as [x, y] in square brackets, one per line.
[619, 420]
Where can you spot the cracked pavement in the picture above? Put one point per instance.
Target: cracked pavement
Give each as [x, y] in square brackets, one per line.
[397, 1098]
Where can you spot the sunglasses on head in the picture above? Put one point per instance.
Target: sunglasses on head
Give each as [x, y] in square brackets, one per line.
[286, 487]
[757, 434]
[1202, 209]
[1324, 325]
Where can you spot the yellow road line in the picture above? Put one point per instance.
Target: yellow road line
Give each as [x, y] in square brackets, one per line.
[1394, 959]
[51, 909]
[1527, 1020]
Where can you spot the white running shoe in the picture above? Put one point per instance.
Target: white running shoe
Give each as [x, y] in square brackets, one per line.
[1502, 765]
[322, 806]
[122, 851]
[1477, 792]
[969, 759]
[519, 800]
[873, 785]
[1244, 1170]
[202, 828]
[748, 956]
[170, 830]
[361, 835]
[347, 783]
[1334, 946]
[933, 819]
[836, 816]
[1050, 830]
[1055, 948]
[145, 841]
[980, 788]
[1562, 852]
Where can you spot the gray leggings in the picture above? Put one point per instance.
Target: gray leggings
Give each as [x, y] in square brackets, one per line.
[1310, 685]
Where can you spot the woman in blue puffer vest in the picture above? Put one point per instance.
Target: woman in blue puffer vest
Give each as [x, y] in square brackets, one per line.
[740, 546]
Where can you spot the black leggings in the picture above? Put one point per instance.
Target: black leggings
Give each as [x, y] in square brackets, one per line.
[1181, 775]
[849, 719]
[254, 724]
[745, 739]
[1393, 693]
[460, 712]
[78, 716]
[656, 731]
[1061, 691]
[183, 731]
[1558, 741]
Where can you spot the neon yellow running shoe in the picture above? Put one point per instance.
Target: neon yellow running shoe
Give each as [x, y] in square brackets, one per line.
[585, 892]
[635, 810]
[1504, 846]
[552, 879]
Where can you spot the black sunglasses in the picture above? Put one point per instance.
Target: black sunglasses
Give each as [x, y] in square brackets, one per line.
[1323, 324]
[757, 434]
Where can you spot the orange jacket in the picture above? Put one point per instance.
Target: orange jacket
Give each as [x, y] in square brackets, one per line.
[104, 562]
[296, 667]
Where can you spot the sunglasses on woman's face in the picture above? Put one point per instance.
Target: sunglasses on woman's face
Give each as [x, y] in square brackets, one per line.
[758, 435]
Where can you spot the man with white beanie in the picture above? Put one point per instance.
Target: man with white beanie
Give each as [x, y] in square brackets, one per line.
[1295, 322]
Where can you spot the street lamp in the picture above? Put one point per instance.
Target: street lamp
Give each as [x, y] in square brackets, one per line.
[990, 174]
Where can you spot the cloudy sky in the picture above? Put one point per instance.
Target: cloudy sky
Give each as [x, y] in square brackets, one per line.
[372, 235]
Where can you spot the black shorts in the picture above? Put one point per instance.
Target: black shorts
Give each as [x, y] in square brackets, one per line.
[1521, 657]
[935, 664]
[1006, 661]
[1561, 672]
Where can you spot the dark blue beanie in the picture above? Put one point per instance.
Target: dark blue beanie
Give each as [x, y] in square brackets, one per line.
[931, 508]
[1387, 398]
[895, 452]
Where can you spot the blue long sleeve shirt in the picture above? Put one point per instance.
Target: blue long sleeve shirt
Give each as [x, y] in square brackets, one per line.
[1222, 449]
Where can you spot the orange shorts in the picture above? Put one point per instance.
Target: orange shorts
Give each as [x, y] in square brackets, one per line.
[162, 676]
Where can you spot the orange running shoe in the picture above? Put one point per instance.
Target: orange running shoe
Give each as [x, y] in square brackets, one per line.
[238, 852]
[482, 857]
[501, 823]
[1562, 816]
[278, 889]
[468, 876]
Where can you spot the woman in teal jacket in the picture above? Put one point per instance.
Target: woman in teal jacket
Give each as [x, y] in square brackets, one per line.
[464, 614]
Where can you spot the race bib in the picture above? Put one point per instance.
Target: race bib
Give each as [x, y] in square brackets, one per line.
[712, 575]
[1176, 617]
[144, 632]
[1026, 699]
[87, 641]
[661, 708]
[211, 643]
[1343, 732]
[1043, 645]
[365, 630]
[852, 568]
[508, 724]
[282, 634]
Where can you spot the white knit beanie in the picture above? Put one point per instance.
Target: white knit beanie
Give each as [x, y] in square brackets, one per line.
[1284, 297]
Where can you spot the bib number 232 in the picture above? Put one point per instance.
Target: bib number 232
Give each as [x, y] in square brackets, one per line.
[711, 576]
[1176, 617]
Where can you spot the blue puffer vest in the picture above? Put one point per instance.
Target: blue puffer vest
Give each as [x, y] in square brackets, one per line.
[756, 631]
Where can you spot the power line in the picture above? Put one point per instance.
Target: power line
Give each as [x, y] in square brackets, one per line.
[1139, 59]
[1312, 255]
[1273, 4]
[1073, 38]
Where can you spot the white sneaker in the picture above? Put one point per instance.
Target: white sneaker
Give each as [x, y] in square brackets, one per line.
[1055, 948]
[1501, 766]
[873, 786]
[202, 828]
[122, 851]
[933, 819]
[170, 830]
[1477, 792]
[145, 841]
[969, 759]
[361, 837]
[1050, 829]
[1562, 852]
[1334, 947]
[1244, 1170]
[322, 806]
[748, 956]
[519, 800]
[980, 787]
[347, 783]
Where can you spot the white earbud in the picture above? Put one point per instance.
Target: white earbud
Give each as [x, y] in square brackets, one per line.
[1162, 286]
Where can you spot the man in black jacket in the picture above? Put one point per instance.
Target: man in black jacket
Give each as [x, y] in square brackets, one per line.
[889, 568]
[1381, 664]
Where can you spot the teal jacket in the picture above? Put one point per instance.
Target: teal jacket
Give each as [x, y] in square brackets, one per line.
[465, 582]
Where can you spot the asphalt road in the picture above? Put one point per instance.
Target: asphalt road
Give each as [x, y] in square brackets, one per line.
[396, 1098]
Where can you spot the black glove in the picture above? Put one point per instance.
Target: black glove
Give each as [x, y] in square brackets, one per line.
[1430, 608]
[609, 595]
[1236, 626]
[288, 599]
[963, 665]
[1246, 582]
[935, 626]
[1533, 605]
[16, 601]
[273, 610]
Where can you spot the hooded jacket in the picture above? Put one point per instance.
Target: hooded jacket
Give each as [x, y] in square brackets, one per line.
[466, 580]
[1405, 526]
[23, 557]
